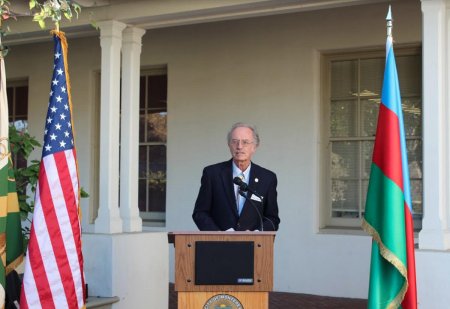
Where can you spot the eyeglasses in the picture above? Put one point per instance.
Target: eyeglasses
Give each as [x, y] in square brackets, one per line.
[244, 142]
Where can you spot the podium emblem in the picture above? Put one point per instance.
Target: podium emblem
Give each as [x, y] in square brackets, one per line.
[223, 301]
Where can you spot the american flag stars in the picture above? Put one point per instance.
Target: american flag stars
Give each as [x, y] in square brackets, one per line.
[58, 128]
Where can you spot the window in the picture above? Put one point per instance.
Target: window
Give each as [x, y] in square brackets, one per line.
[17, 92]
[152, 146]
[353, 93]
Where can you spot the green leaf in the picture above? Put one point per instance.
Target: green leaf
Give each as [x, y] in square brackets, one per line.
[83, 193]
[68, 15]
[76, 7]
[35, 143]
[56, 16]
[41, 23]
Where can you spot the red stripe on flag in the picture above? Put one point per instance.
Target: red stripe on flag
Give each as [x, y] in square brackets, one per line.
[39, 274]
[387, 150]
[410, 300]
[54, 230]
[69, 194]
[23, 300]
[71, 202]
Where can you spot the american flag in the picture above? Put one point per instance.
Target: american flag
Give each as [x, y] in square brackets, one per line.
[53, 275]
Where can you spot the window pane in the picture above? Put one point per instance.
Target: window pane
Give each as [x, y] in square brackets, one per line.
[157, 198]
[344, 199]
[344, 78]
[157, 157]
[369, 116]
[142, 92]
[143, 162]
[142, 198]
[365, 186]
[416, 197]
[157, 127]
[409, 69]
[157, 178]
[10, 95]
[142, 136]
[343, 118]
[414, 149]
[344, 160]
[153, 184]
[372, 71]
[21, 102]
[157, 91]
[367, 153]
[412, 116]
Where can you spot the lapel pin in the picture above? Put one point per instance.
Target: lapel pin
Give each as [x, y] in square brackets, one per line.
[256, 179]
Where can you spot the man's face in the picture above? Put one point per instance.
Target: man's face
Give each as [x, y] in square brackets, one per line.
[242, 145]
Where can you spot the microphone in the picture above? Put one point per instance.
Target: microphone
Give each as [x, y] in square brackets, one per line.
[242, 193]
[245, 187]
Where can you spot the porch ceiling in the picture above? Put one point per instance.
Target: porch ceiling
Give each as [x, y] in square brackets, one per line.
[150, 14]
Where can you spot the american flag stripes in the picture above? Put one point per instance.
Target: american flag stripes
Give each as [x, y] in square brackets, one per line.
[54, 263]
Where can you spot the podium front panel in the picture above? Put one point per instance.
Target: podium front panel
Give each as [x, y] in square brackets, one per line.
[185, 248]
[224, 262]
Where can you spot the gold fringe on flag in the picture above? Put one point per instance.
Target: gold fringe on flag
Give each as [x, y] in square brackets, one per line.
[391, 258]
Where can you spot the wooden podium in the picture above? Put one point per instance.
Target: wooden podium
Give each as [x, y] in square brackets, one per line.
[223, 269]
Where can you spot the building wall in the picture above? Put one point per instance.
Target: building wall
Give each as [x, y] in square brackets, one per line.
[264, 71]
[267, 71]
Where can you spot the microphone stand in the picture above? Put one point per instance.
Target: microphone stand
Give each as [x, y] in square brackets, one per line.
[242, 193]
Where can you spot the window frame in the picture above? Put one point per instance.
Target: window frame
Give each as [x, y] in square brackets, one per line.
[14, 84]
[153, 218]
[18, 160]
[326, 219]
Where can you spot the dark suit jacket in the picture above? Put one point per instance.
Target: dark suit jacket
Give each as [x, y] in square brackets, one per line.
[216, 210]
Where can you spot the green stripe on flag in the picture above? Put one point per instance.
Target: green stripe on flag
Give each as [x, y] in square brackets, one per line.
[384, 220]
[4, 187]
[14, 240]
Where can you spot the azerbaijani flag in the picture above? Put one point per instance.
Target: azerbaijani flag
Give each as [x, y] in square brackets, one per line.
[388, 213]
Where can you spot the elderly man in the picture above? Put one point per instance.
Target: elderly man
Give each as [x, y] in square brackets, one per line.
[220, 206]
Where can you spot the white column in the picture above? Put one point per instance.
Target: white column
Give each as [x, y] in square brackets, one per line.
[435, 232]
[129, 150]
[108, 220]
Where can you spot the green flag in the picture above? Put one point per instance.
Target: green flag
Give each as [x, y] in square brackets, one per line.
[10, 227]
